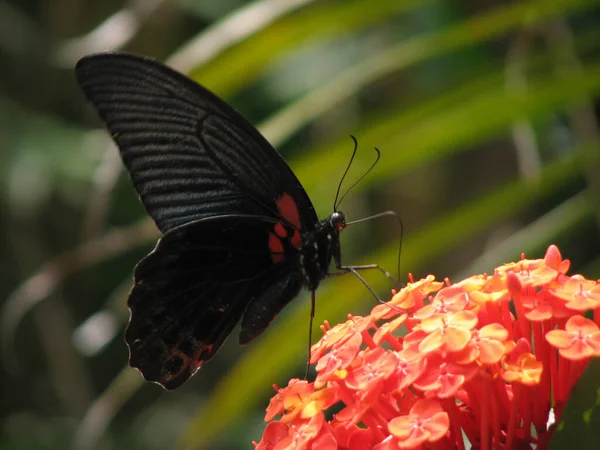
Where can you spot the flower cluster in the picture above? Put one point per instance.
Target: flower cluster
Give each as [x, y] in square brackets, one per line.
[492, 358]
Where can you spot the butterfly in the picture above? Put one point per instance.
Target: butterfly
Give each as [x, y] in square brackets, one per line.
[240, 236]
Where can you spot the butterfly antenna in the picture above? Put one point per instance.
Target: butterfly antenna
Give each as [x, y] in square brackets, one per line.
[362, 177]
[337, 194]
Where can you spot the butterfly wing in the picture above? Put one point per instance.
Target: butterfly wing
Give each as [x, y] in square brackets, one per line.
[195, 286]
[189, 154]
[216, 189]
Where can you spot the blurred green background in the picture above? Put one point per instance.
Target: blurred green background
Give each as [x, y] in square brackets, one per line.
[485, 112]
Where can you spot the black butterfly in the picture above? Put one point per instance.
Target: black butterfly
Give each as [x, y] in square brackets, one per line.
[240, 235]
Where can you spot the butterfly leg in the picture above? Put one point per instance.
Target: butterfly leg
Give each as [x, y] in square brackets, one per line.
[349, 269]
[371, 266]
[310, 327]
[354, 270]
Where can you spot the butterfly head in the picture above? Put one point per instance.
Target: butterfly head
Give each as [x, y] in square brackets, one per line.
[337, 220]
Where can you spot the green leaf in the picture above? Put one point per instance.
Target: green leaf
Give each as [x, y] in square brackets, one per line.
[579, 426]
[413, 141]
[328, 20]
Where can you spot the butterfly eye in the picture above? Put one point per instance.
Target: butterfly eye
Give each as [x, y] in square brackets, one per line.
[338, 220]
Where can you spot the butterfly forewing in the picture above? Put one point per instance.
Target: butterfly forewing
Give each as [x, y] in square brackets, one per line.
[189, 154]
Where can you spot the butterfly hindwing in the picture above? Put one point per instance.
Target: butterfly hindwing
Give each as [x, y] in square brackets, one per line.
[189, 154]
[195, 286]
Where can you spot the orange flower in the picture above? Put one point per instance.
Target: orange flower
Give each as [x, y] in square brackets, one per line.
[451, 331]
[426, 422]
[313, 434]
[449, 299]
[338, 358]
[377, 365]
[578, 293]
[443, 377]
[488, 343]
[487, 357]
[275, 432]
[579, 340]
[301, 399]
[409, 297]
[525, 370]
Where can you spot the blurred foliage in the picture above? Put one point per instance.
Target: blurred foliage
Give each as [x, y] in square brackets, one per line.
[580, 419]
[486, 115]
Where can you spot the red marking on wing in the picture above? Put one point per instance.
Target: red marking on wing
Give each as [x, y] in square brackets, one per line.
[185, 361]
[288, 209]
[276, 247]
[280, 230]
[201, 354]
[297, 240]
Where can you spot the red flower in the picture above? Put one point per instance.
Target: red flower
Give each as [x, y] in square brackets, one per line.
[487, 344]
[579, 340]
[578, 293]
[525, 370]
[405, 374]
[443, 377]
[426, 422]
[274, 433]
[313, 434]
[451, 331]
[333, 363]
[368, 378]
[299, 399]
[487, 357]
